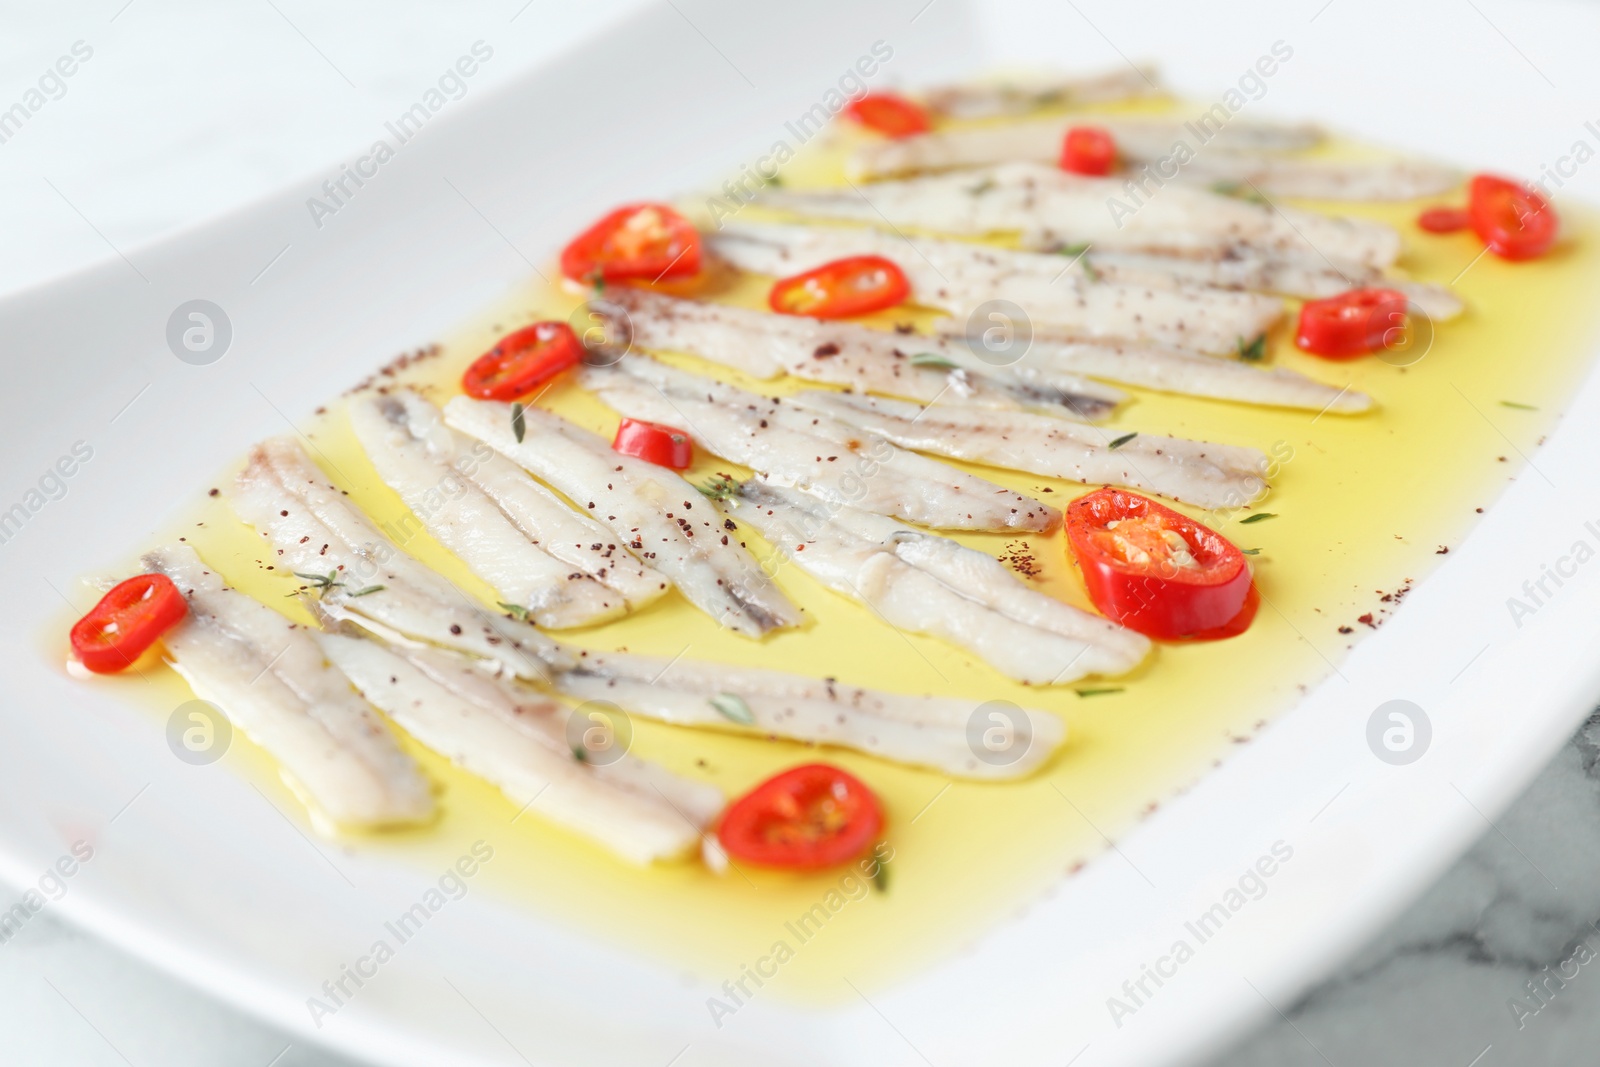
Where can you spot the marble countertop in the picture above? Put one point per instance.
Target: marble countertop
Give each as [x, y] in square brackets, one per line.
[1489, 967]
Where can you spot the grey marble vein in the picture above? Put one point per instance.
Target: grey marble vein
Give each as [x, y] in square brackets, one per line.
[1492, 965]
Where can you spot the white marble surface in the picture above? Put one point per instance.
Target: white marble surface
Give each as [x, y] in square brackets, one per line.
[188, 108]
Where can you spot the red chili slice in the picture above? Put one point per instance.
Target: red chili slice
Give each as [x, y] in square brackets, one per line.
[1512, 219]
[854, 285]
[1352, 324]
[649, 241]
[889, 114]
[1444, 220]
[1088, 150]
[1156, 571]
[650, 441]
[519, 362]
[126, 622]
[804, 818]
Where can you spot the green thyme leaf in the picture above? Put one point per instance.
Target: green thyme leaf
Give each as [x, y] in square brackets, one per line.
[1089, 269]
[932, 359]
[1239, 191]
[516, 611]
[1255, 351]
[1260, 516]
[720, 487]
[580, 754]
[368, 589]
[1098, 692]
[1519, 407]
[1073, 251]
[981, 188]
[519, 421]
[1251, 551]
[322, 583]
[733, 708]
[880, 877]
[1124, 439]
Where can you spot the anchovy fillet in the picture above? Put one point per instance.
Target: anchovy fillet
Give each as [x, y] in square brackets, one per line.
[925, 583]
[1018, 95]
[315, 530]
[528, 746]
[815, 453]
[934, 732]
[1177, 370]
[958, 277]
[269, 678]
[843, 353]
[653, 511]
[1039, 141]
[503, 525]
[1312, 278]
[1356, 181]
[1072, 209]
[1194, 472]
[1239, 154]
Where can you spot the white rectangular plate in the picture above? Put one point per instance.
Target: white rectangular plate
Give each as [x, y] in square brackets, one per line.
[201, 876]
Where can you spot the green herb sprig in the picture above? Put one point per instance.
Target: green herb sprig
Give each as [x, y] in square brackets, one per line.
[733, 708]
[720, 487]
[322, 583]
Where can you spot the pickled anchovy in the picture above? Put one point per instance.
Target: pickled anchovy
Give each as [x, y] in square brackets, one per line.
[270, 679]
[924, 583]
[1072, 209]
[1195, 472]
[354, 572]
[790, 446]
[960, 277]
[557, 763]
[1020, 94]
[844, 353]
[503, 525]
[650, 509]
[923, 731]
